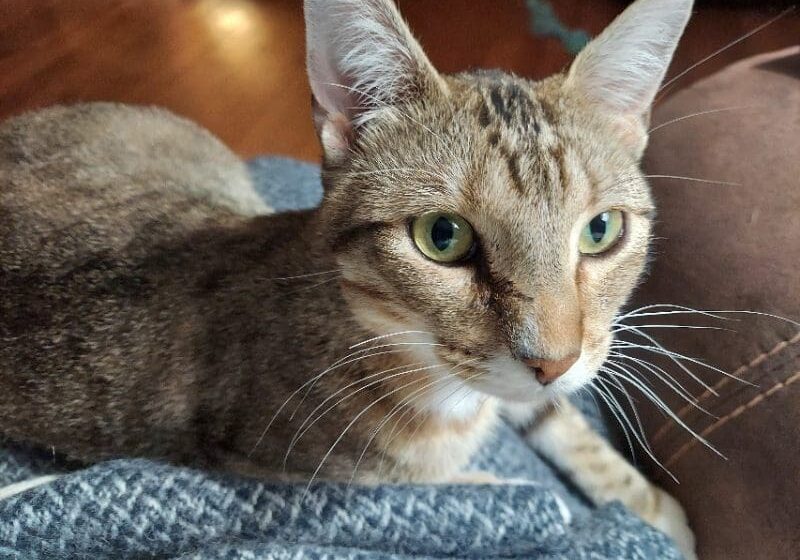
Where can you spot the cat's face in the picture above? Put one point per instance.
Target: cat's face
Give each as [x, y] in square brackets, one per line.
[504, 221]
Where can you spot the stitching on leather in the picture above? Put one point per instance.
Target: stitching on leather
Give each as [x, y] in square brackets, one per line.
[661, 432]
[758, 399]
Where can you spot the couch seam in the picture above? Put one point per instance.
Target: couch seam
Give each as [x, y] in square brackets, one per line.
[661, 432]
[761, 397]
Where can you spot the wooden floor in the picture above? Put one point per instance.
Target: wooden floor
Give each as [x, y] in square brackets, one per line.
[237, 66]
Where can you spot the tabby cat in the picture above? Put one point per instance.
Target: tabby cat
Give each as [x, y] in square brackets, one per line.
[478, 235]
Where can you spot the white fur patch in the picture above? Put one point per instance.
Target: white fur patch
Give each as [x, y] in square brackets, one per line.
[450, 398]
[512, 381]
[576, 377]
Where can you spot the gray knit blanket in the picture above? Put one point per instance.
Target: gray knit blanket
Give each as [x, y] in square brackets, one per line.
[137, 509]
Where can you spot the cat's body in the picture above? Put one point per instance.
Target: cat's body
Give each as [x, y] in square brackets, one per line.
[169, 321]
[151, 306]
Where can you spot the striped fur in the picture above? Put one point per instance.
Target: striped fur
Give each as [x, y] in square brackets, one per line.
[148, 309]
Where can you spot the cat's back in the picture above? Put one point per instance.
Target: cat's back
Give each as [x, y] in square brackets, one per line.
[108, 213]
[105, 211]
[78, 179]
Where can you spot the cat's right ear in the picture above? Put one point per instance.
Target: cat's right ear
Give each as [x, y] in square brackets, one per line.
[362, 58]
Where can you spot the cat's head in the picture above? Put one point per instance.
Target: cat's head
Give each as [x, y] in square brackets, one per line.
[507, 218]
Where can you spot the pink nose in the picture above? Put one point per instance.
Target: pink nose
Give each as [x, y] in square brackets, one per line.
[547, 371]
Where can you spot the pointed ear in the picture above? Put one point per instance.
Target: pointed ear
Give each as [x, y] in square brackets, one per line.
[622, 68]
[361, 58]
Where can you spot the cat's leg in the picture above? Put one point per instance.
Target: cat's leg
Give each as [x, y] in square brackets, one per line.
[566, 439]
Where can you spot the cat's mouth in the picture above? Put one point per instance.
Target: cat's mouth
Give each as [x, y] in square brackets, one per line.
[511, 379]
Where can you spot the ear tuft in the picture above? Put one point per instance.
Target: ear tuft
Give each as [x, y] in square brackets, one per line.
[362, 57]
[624, 66]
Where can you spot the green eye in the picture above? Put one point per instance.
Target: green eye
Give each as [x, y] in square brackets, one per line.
[601, 233]
[443, 237]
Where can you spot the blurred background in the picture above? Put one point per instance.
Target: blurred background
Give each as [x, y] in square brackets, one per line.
[237, 66]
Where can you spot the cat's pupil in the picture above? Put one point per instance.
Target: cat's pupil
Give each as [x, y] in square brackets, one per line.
[598, 227]
[442, 233]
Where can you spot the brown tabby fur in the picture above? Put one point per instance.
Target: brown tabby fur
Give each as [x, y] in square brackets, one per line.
[151, 306]
[139, 318]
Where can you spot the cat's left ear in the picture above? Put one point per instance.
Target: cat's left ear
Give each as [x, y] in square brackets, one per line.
[362, 59]
[622, 69]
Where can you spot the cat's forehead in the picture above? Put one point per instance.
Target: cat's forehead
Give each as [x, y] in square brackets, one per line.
[526, 147]
[518, 127]
[530, 119]
[497, 148]
[532, 128]
[506, 103]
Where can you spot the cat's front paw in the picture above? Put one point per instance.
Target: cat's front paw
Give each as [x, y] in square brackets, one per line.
[668, 516]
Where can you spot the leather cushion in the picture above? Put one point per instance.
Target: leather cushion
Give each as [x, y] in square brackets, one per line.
[732, 247]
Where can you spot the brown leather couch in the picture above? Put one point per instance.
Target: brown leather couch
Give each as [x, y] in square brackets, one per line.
[731, 247]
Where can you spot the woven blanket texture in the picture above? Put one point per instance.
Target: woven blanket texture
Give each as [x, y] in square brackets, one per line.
[139, 509]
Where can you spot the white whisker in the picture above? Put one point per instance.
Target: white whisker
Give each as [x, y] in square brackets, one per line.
[694, 180]
[676, 357]
[587, 390]
[657, 348]
[645, 446]
[662, 313]
[666, 378]
[403, 402]
[316, 285]
[339, 363]
[383, 336]
[308, 423]
[310, 274]
[660, 306]
[631, 404]
[619, 327]
[350, 425]
[655, 399]
[698, 114]
[722, 49]
[717, 314]
[392, 436]
[616, 413]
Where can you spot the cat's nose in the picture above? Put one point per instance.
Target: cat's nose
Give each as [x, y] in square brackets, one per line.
[547, 371]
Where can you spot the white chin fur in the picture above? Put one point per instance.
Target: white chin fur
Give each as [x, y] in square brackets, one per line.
[512, 381]
[451, 399]
[576, 377]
